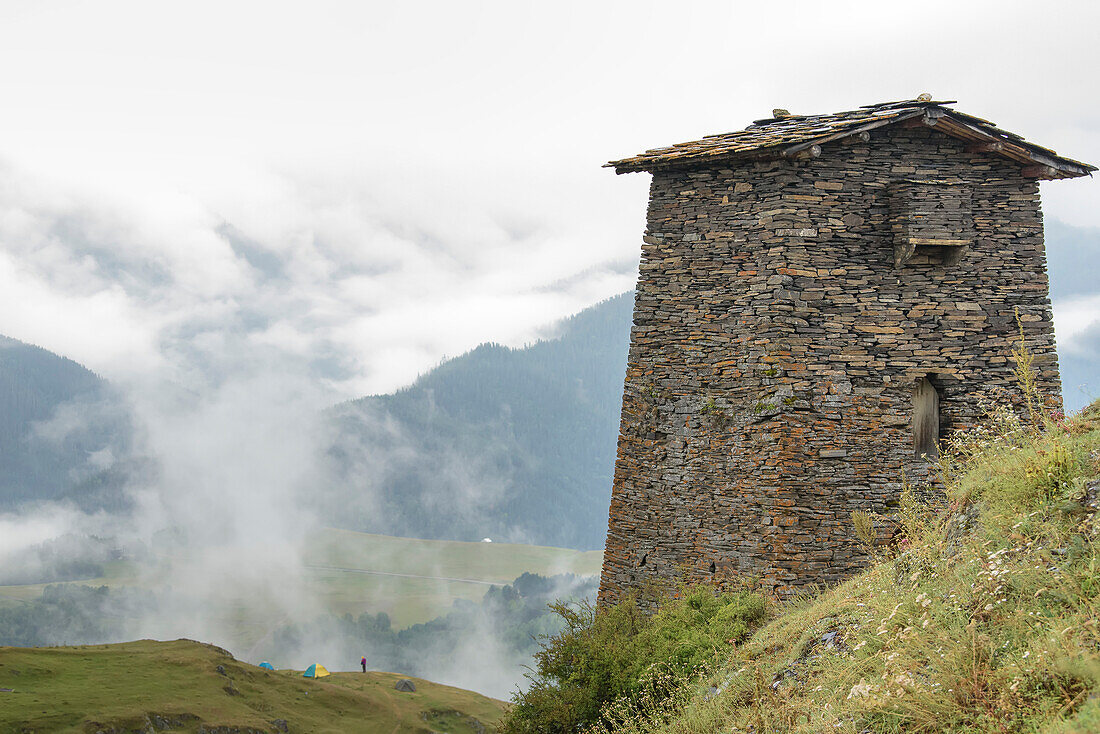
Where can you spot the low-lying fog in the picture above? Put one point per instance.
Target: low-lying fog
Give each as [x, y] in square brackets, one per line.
[214, 541]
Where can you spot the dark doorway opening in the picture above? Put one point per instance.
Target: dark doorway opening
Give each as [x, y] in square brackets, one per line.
[926, 419]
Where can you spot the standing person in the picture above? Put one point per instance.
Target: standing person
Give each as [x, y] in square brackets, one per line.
[363, 662]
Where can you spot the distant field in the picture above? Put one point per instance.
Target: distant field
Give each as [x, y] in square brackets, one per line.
[494, 562]
[185, 685]
[437, 571]
[119, 573]
[412, 580]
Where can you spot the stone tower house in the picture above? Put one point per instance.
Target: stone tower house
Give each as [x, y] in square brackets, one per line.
[821, 298]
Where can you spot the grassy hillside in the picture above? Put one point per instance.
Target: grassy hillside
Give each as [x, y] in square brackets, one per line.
[981, 617]
[185, 685]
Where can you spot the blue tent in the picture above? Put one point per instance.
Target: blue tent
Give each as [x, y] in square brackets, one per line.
[267, 666]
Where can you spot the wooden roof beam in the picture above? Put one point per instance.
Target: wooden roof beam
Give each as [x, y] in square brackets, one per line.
[858, 130]
[995, 146]
[812, 151]
[1045, 172]
[1022, 153]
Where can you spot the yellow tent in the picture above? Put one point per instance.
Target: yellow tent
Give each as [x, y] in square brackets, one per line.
[315, 671]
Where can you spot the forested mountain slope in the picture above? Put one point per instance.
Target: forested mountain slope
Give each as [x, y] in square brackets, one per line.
[514, 444]
[58, 424]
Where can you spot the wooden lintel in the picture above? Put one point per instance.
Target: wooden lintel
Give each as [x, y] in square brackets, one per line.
[937, 242]
[1039, 172]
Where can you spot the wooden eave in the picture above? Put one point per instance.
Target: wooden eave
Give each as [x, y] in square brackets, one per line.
[1046, 164]
[1037, 162]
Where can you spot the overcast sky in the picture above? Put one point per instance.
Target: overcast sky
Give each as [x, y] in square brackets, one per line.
[358, 189]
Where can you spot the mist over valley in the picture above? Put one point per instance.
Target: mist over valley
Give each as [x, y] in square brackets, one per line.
[257, 522]
[314, 325]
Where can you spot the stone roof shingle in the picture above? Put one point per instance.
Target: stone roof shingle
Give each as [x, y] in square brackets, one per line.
[789, 135]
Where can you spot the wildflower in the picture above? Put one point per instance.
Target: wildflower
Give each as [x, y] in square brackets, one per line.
[860, 690]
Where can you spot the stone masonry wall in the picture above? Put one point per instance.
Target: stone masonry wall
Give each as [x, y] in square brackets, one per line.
[776, 345]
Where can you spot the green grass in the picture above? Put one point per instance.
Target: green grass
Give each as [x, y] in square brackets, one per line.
[983, 618]
[497, 562]
[121, 687]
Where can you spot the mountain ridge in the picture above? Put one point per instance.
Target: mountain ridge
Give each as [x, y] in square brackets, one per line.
[47, 452]
[498, 442]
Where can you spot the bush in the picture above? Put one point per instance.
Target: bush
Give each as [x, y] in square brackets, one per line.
[620, 655]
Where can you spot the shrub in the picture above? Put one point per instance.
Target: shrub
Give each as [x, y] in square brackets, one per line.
[620, 655]
[864, 524]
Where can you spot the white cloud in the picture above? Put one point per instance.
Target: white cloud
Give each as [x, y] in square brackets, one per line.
[378, 185]
[370, 286]
[102, 327]
[1073, 319]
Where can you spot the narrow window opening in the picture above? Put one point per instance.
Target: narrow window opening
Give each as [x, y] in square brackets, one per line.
[712, 566]
[931, 222]
[943, 255]
[642, 563]
[926, 419]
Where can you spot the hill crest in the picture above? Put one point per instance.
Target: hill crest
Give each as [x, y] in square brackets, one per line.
[186, 685]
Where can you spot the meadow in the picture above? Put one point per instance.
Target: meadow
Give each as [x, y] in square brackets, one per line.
[186, 685]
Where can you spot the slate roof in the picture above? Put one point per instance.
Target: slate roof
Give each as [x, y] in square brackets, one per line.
[793, 134]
